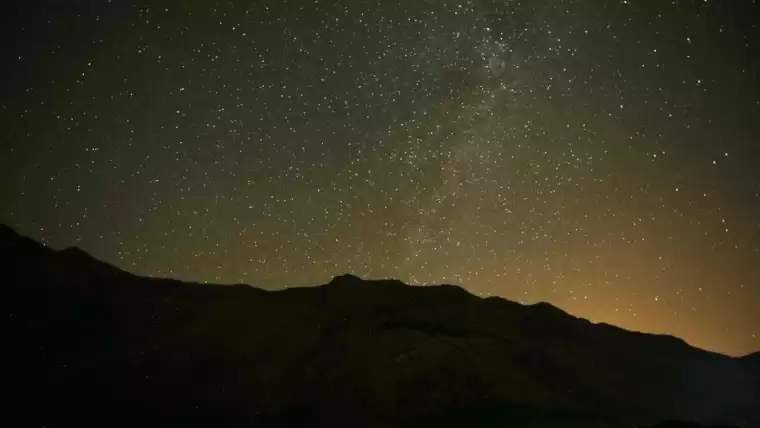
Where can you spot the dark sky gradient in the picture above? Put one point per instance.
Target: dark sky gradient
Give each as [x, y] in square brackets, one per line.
[600, 155]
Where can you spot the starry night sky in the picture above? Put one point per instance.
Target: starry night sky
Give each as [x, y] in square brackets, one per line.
[600, 155]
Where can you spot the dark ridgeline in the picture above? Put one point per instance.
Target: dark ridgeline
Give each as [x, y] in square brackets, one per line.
[87, 344]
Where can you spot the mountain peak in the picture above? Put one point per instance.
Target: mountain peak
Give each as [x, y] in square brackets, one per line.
[346, 278]
[546, 306]
[77, 253]
[8, 235]
[12, 242]
[349, 280]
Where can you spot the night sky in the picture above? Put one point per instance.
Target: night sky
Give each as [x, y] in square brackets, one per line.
[600, 155]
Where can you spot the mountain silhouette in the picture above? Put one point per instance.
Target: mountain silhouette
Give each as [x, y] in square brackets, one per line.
[88, 344]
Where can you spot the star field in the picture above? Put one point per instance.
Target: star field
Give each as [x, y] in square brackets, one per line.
[599, 155]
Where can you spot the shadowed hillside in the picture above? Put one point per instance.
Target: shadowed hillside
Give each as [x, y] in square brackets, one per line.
[90, 344]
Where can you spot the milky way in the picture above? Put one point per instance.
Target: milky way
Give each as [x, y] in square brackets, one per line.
[599, 155]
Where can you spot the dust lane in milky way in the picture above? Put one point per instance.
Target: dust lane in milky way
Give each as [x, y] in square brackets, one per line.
[599, 155]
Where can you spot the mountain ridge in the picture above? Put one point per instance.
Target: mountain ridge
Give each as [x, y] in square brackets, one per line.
[77, 253]
[389, 353]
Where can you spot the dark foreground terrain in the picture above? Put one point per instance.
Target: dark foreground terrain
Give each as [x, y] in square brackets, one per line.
[86, 344]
